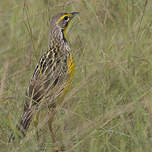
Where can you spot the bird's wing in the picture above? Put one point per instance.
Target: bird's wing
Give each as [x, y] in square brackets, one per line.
[48, 78]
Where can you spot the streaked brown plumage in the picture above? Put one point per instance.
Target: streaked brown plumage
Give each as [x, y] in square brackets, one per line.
[53, 74]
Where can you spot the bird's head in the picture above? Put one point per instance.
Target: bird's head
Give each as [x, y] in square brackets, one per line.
[63, 19]
[60, 22]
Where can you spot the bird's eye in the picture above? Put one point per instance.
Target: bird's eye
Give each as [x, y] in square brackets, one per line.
[66, 18]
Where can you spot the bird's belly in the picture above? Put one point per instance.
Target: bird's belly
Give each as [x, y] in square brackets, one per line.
[68, 79]
[71, 67]
[70, 73]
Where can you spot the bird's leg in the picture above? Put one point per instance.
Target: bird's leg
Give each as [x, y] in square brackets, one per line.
[36, 118]
[52, 114]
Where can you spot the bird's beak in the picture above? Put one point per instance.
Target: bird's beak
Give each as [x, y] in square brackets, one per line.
[73, 14]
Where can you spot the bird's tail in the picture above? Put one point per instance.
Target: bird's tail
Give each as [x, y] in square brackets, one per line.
[23, 124]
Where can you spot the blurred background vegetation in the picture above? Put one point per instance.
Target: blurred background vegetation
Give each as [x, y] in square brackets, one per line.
[108, 108]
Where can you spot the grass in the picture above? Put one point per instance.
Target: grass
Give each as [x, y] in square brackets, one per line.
[108, 108]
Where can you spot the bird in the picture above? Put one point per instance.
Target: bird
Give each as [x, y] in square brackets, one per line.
[52, 76]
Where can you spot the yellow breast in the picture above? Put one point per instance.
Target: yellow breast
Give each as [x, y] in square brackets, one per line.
[70, 72]
[69, 79]
[71, 67]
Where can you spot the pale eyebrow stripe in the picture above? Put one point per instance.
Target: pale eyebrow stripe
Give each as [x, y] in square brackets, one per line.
[62, 18]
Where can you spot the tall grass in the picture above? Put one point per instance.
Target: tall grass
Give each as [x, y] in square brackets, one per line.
[108, 108]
